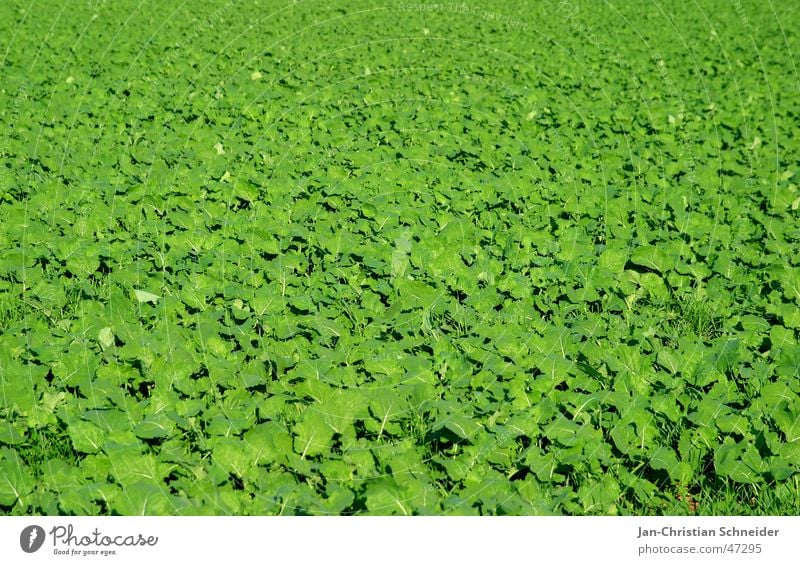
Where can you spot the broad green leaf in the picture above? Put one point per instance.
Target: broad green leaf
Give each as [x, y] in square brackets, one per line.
[462, 426]
[739, 462]
[653, 258]
[106, 337]
[85, 436]
[15, 479]
[663, 458]
[10, 434]
[313, 435]
[385, 498]
[143, 499]
[144, 296]
[233, 455]
[154, 427]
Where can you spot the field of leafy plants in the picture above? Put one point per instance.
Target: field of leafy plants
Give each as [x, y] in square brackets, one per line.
[377, 257]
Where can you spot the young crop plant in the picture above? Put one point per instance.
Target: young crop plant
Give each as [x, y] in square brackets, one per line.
[348, 258]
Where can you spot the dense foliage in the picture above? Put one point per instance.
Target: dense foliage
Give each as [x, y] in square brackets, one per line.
[376, 257]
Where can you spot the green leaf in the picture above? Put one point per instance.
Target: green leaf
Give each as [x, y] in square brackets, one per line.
[85, 436]
[15, 480]
[385, 498]
[663, 458]
[652, 257]
[787, 417]
[144, 296]
[268, 442]
[740, 462]
[234, 455]
[154, 427]
[790, 280]
[143, 499]
[10, 435]
[106, 337]
[781, 337]
[624, 438]
[462, 426]
[313, 435]
[562, 430]
[385, 406]
[129, 466]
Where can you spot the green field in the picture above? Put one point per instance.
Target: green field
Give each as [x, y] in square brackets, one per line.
[369, 257]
